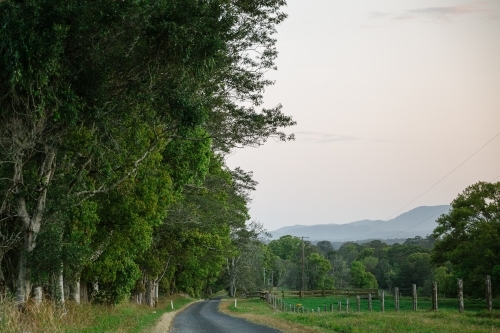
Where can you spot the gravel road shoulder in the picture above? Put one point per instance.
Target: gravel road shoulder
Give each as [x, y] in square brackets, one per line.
[165, 322]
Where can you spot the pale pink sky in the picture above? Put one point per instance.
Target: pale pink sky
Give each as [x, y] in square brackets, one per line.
[389, 97]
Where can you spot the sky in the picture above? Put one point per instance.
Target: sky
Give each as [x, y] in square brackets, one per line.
[389, 97]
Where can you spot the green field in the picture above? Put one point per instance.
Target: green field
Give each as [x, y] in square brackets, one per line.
[405, 304]
[423, 321]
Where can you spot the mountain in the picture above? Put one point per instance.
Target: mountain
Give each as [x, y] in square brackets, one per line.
[419, 221]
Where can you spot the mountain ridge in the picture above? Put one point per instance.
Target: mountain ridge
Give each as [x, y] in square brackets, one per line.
[419, 221]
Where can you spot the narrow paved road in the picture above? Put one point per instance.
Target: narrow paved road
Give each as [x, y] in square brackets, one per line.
[204, 317]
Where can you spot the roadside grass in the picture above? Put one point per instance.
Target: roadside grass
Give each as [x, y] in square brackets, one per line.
[260, 312]
[421, 321]
[86, 318]
[129, 317]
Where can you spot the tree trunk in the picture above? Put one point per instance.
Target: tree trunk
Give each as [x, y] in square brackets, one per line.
[460, 285]
[232, 276]
[59, 287]
[157, 291]
[74, 290]
[30, 224]
[23, 281]
[150, 292]
[38, 295]
[84, 292]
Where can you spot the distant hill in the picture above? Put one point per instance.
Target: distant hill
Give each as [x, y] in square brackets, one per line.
[419, 221]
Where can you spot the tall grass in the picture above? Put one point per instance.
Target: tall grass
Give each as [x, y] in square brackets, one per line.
[89, 318]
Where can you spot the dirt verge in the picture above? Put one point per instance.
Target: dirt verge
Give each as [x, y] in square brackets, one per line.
[268, 320]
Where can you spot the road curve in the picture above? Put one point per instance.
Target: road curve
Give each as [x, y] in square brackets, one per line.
[204, 317]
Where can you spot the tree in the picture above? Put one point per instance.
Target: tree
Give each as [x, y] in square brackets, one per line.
[245, 265]
[360, 278]
[287, 247]
[317, 269]
[92, 91]
[468, 236]
[349, 251]
[340, 271]
[416, 269]
[384, 273]
[325, 247]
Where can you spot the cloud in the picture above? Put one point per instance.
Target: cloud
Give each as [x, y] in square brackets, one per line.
[445, 13]
[318, 137]
[377, 15]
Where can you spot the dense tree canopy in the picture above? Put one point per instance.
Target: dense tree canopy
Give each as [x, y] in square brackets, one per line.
[111, 117]
[469, 235]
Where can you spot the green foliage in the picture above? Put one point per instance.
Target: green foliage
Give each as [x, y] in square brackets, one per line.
[324, 247]
[360, 277]
[349, 251]
[113, 290]
[318, 267]
[469, 236]
[286, 247]
[135, 99]
[416, 269]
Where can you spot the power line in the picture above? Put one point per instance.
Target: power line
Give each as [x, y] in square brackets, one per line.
[392, 236]
[428, 217]
[449, 173]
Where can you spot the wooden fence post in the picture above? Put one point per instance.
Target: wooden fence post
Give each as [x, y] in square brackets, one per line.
[460, 284]
[358, 303]
[396, 298]
[370, 302]
[434, 296]
[340, 306]
[414, 292]
[489, 299]
[382, 301]
[347, 305]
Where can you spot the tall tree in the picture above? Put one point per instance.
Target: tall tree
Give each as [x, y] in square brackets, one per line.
[90, 91]
[468, 236]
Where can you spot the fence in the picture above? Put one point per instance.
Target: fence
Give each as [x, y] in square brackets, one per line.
[278, 299]
[361, 292]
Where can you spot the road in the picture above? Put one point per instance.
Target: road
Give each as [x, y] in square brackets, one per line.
[204, 317]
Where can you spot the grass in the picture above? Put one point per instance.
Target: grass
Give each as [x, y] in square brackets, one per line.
[405, 304]
[422, 321]
[85, 318]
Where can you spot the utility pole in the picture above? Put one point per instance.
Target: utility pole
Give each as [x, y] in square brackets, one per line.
[303, 278]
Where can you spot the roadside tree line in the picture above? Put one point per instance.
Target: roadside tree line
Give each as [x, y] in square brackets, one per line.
[115, 119]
